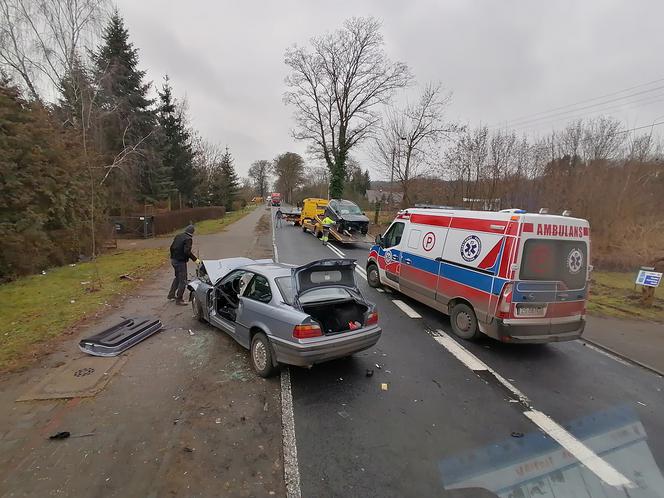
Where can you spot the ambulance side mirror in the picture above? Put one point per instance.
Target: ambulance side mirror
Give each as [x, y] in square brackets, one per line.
[379, 240]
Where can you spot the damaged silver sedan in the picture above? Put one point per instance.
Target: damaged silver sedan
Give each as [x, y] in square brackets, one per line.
[286, 314]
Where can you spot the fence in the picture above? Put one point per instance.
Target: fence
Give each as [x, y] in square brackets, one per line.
[145, 226]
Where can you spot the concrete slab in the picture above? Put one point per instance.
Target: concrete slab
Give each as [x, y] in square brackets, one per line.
[82, 377]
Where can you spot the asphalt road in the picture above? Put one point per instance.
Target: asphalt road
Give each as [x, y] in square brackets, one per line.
[440, 425]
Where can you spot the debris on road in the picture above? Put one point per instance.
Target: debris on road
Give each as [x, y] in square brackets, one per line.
[187, 449]
[642, 404]
[378, 366]
[384, 386]
[120, 337]
[60, 435]
[217, 420]
[369, 372]
[190, 332]
[517, 434]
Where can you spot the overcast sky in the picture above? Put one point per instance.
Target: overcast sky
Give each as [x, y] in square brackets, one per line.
[502, 59]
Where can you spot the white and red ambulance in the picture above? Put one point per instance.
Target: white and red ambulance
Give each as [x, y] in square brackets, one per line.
[515, 276]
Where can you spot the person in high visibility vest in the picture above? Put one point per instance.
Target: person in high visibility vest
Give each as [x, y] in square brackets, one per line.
[327, 223]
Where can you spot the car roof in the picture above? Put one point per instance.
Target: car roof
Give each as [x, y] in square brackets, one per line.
[272, 270]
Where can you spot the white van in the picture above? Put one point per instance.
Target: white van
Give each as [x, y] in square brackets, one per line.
[512, 275]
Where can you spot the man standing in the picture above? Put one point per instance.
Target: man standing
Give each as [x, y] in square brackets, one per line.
[279, 216]
[180, 254]
[327, 224]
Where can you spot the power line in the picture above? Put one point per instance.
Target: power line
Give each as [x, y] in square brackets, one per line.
[634, 104]
[577, 109]
[520, 118]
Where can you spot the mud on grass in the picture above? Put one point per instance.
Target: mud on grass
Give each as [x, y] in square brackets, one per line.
[38, 308]
[614, 294]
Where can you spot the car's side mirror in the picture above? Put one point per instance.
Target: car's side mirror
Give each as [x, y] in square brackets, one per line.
[379, 240]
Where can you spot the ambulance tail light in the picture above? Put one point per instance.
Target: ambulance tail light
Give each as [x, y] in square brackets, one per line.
[505, 302]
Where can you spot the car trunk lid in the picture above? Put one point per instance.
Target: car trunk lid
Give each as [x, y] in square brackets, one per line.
[325, 273]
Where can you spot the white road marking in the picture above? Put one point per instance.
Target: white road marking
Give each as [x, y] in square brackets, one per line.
[363, 275]
[335, 250]
[581, 452]
[406, 309]
[606, 353]
[601, 468]
[291, 468]
[289, 442]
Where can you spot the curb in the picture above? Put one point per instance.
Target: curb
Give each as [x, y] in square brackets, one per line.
[624, 357]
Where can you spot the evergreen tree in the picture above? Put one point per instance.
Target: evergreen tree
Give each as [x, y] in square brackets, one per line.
[225, 182]
[128, 120]
[176, 149]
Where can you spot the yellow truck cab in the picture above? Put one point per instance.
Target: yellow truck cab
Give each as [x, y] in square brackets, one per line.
[312, 208]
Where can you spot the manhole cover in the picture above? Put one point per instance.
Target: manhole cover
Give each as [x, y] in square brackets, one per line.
[82, 372]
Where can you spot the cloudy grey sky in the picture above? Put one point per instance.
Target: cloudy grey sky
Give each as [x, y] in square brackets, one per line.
[502, 59]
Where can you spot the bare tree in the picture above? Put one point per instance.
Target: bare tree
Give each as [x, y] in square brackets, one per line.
[602, 138]
[259, 173]
[410, 137]
[42, 39]
[336, 86]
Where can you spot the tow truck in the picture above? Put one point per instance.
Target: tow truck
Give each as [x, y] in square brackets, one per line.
[314, 211]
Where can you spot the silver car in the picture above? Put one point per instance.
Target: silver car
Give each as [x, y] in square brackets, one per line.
[283, 313]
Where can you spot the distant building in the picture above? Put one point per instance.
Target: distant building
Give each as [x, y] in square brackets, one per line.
[384, 196]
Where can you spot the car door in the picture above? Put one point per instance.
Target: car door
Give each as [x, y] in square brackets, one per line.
[391, 253]
[255, 309]
[223, 312]
[421, 246]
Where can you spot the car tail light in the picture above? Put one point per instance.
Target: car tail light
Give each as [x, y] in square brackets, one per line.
[372, 319]
[505, 302]
[307, 331]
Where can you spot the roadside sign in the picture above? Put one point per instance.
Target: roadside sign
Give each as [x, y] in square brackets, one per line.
[648, 278]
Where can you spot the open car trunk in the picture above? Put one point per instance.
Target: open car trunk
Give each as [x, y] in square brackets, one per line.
[335, 317]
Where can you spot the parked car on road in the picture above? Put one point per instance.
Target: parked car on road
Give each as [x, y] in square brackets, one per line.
[283, 313]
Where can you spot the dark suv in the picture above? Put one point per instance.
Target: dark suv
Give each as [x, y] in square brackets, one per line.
[348, 216]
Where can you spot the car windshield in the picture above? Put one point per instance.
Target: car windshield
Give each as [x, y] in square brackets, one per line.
[346, 207]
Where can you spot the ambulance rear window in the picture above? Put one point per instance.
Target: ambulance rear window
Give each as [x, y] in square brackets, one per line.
[555, 260]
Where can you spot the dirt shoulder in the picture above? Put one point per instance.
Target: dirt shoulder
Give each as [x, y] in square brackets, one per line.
[185, 415]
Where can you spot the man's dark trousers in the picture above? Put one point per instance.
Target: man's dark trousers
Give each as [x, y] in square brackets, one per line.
[180, 280]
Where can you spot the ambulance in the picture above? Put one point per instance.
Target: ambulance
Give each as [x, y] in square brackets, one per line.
[512, 275]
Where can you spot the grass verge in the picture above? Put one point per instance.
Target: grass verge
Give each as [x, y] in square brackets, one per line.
[216, 225]
[40, 307]
[613, 294]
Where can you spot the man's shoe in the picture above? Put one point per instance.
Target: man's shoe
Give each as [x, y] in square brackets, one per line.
[170, 298]
[180, 302]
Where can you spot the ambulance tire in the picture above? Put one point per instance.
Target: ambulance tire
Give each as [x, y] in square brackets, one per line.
[464, 322]
[373, 276]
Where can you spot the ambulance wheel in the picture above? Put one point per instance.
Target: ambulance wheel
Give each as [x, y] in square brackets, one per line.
[373, 277]
[464, 322]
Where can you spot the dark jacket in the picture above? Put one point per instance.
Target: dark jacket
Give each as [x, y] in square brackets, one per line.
[181, 248]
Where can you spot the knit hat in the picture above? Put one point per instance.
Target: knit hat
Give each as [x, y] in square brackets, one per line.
[190, 229]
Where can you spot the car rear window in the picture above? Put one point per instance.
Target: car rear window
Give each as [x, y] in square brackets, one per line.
[555, 260]
[324, 294]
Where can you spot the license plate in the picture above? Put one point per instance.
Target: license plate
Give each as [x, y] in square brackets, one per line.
[531, 310]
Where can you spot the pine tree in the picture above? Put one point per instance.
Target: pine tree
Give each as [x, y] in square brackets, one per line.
[225, 182]
[176, 149]
[127, 117]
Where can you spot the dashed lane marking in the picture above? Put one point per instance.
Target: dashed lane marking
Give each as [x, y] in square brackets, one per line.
[406, 309]
[580, 451]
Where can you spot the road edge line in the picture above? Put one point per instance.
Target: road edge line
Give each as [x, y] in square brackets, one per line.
[288, 440]
[622, 356]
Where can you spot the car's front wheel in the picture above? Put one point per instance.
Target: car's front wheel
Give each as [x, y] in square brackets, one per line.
[261, 355]
[373, 277]
[196, 308]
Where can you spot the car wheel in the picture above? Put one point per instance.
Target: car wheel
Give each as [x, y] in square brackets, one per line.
[196, 308]
[464, 322]
[373, 276]
[304, 229]
[319, 235]
[261, 355]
